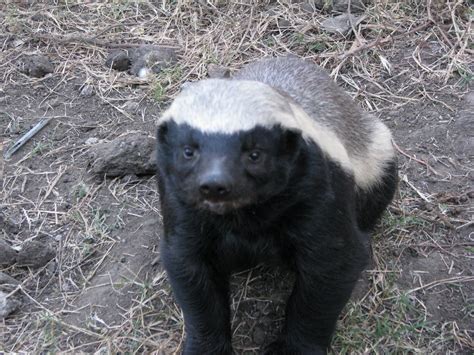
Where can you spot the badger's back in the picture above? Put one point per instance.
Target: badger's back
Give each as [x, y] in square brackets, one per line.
[366, 139]
[311, 87]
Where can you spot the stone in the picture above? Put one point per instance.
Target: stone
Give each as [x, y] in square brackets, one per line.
[87, 90]
[7, 280]
[35, 254]
[36, 66]
[118, 60]
[340, 24]
[91, 141]
[8, 305]
[131, 154]
[8, 255]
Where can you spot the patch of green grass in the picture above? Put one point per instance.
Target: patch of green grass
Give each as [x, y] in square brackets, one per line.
[40, 148]
[465, 74]
[121, 283]
[119, 8]
[405, 222]
[166, 78]
[80, 191]
[159, 92]
[269, 41]
[12, 18]
[99, 225]
[395, 324]
[51, 331]
[317, 47]
[298, 38]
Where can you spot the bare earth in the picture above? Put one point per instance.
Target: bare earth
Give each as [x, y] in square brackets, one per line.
[104, 290]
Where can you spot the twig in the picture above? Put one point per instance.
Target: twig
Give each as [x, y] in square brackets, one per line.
[415, 159]
[61, 171]
[421, 194]
[442, 282]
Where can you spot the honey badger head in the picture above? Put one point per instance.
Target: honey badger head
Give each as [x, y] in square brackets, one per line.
[223, 148]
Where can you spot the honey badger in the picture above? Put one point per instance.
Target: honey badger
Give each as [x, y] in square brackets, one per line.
[276, 165]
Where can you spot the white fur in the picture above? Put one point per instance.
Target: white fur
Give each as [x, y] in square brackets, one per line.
[230, 106]
[369, 169]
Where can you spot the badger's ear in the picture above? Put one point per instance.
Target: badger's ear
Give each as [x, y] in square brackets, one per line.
[161, 133]
[291, 142]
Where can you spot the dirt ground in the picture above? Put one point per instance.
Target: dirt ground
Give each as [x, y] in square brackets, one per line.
[103, 289]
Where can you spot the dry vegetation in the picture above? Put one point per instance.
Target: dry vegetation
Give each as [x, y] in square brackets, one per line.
[409, 62]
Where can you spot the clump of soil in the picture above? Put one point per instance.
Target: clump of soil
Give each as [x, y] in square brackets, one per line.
[36, 65]
[32, 253]
[131, 154]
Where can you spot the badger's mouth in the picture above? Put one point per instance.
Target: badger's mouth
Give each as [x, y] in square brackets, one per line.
[224, 207]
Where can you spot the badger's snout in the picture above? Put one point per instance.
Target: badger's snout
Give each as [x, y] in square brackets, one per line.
[215, 187]
[215, 182]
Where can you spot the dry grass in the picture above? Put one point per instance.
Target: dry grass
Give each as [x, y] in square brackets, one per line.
[87, 220]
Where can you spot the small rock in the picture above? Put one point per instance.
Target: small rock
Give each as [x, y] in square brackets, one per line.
[6, 279]
[39, 17]
[87, 90]
[35, 254]
[18, 43]
[118, 60]
[54, 102]
[91, 141]
[125, 155]
[215, 71]
[8, 256]
[8, 305]
[283, 23]
[36, 66]
[7, 225]
[340, 24]
[130, 106]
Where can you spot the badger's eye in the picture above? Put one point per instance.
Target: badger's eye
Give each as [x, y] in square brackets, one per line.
[254, 156]
[188, 152]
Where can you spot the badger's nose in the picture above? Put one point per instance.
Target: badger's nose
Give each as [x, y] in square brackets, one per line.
[215, 187]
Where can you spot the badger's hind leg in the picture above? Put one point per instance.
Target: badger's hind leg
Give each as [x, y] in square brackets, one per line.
[371, 204]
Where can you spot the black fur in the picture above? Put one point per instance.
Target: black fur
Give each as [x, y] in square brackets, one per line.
[371, 204]
[295, 207]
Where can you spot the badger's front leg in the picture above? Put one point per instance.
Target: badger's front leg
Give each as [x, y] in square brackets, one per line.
[326, 276]
[202, 293]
